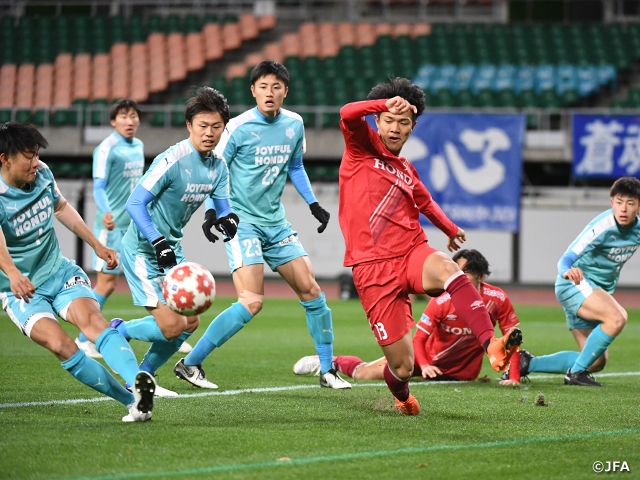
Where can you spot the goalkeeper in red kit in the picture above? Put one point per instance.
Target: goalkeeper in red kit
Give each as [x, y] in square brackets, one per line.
[381, 198]
[444, 346]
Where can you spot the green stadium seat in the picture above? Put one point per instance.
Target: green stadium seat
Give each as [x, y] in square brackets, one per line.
[5, 115]
[174, 24]
[465, 98]
[99, 116]
[155, 24]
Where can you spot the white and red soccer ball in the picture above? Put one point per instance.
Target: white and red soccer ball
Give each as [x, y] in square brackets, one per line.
[189, 288]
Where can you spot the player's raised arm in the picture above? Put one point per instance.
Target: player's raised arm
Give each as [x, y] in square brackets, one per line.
[352, 114]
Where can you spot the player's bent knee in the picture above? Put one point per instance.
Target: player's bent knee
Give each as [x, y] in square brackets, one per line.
[62, 348]
[251, 301]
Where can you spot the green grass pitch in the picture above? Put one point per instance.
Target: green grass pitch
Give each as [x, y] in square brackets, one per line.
[293, 429]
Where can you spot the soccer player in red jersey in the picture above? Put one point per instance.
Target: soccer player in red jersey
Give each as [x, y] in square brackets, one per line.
[381, 198]
[444, 346]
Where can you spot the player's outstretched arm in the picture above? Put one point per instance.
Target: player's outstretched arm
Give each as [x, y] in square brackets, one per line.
[70, 218]
[352, 114]
[20, 285]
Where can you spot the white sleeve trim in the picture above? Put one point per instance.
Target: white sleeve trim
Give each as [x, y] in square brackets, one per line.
[103, 156]
[591, 234]
[181, 150]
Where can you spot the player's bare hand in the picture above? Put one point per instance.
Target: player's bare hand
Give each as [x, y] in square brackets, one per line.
[575, 275]
[453, 241]
[108, 255]
[108, 221]
[510, 383]
[430, 371]
[21, 286]
[398, 106]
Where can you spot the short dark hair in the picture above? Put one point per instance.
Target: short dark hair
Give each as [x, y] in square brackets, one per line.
[270, 67]
[476, 263]
[125, 104]
[400, 87]
[20, 137]
[626, 186]
[207, 99]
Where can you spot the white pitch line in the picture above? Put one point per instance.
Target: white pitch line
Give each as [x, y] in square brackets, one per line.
[268, 389]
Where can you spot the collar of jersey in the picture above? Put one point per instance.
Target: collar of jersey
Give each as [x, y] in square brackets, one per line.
[209, 157]
[260, 115]
[124, 139]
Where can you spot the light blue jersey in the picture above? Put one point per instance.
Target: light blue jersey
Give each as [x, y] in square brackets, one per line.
[180, 179]
[601, 250]
[26, 216]
[120, 162]
[258, 150]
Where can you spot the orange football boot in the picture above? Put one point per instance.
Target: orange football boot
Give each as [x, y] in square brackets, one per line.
[409, 407]
[501, 349]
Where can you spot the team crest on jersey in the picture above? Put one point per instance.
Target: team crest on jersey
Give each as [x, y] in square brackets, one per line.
[289, 132]
[77, 280]
[451, 318]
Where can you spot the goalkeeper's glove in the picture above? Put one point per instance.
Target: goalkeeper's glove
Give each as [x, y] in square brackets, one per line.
[164, 255]
[321, 215]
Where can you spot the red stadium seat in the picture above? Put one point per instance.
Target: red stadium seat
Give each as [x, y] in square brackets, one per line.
[266, 22]
[195, 51]
[8, 74]
[25, 85]
[248, 26]
[273, 51]
[213, 48]
[44, 85]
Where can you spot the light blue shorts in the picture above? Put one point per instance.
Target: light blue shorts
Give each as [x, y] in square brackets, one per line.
[51, 298]
[571, 297]
[254, 244]
[112, 239]
[144, 277]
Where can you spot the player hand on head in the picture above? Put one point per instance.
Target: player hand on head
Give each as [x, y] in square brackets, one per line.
[453, 241]
[398, 106]
[430, 371]
[108, 255]
[321, 215]
[164, 255]
[574, 274]
[21, 286]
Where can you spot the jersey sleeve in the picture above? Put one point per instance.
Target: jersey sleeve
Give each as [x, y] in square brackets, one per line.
[221, 189]
[301, 145]
[588, 239]
[100, 162]
[506, 317]
[162, 172]
[55, 191]
[227, 148]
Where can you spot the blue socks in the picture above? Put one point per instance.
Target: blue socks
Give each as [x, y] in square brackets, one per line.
[320, 325]
[558, 362]
[145, 329]
[221, 329]
[94, 375]
[118, 354]
[160, 352]
[597, 342]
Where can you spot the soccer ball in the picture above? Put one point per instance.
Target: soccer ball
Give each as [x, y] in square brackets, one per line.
[189, 288]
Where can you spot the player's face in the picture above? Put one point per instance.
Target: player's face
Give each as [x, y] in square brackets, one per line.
[20, 169]
[126, 122]
[269, 93]
[625, 209]
[394, 130]
[205, 131]
[474, 279]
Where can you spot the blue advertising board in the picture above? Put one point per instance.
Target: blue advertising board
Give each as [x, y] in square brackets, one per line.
[606, 145]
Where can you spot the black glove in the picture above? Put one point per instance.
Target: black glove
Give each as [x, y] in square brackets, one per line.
[164, 255]
[210, 217]
[321, 215]
[228, 225]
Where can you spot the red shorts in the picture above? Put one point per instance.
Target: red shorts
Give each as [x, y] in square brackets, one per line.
[384, 287]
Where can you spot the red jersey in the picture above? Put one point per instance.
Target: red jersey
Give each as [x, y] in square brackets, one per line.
[381, 195]
[444, 340]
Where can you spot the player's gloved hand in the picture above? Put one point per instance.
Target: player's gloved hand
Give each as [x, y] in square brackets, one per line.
[164, 255]
[210, 218]
[321, 215]
[228, 225]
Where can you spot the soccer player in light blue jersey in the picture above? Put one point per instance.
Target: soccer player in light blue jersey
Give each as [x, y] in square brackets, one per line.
[587, 276]
[262, 146]
[37, 282]
[177, 183]
[118, 163]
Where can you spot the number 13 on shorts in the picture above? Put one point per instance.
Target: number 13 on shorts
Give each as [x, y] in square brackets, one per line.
[380, 332]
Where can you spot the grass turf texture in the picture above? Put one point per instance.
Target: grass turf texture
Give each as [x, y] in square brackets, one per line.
[473, 430]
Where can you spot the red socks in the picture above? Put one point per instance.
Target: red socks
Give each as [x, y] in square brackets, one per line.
[470, 307]
[347, 364]
[398, 388]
